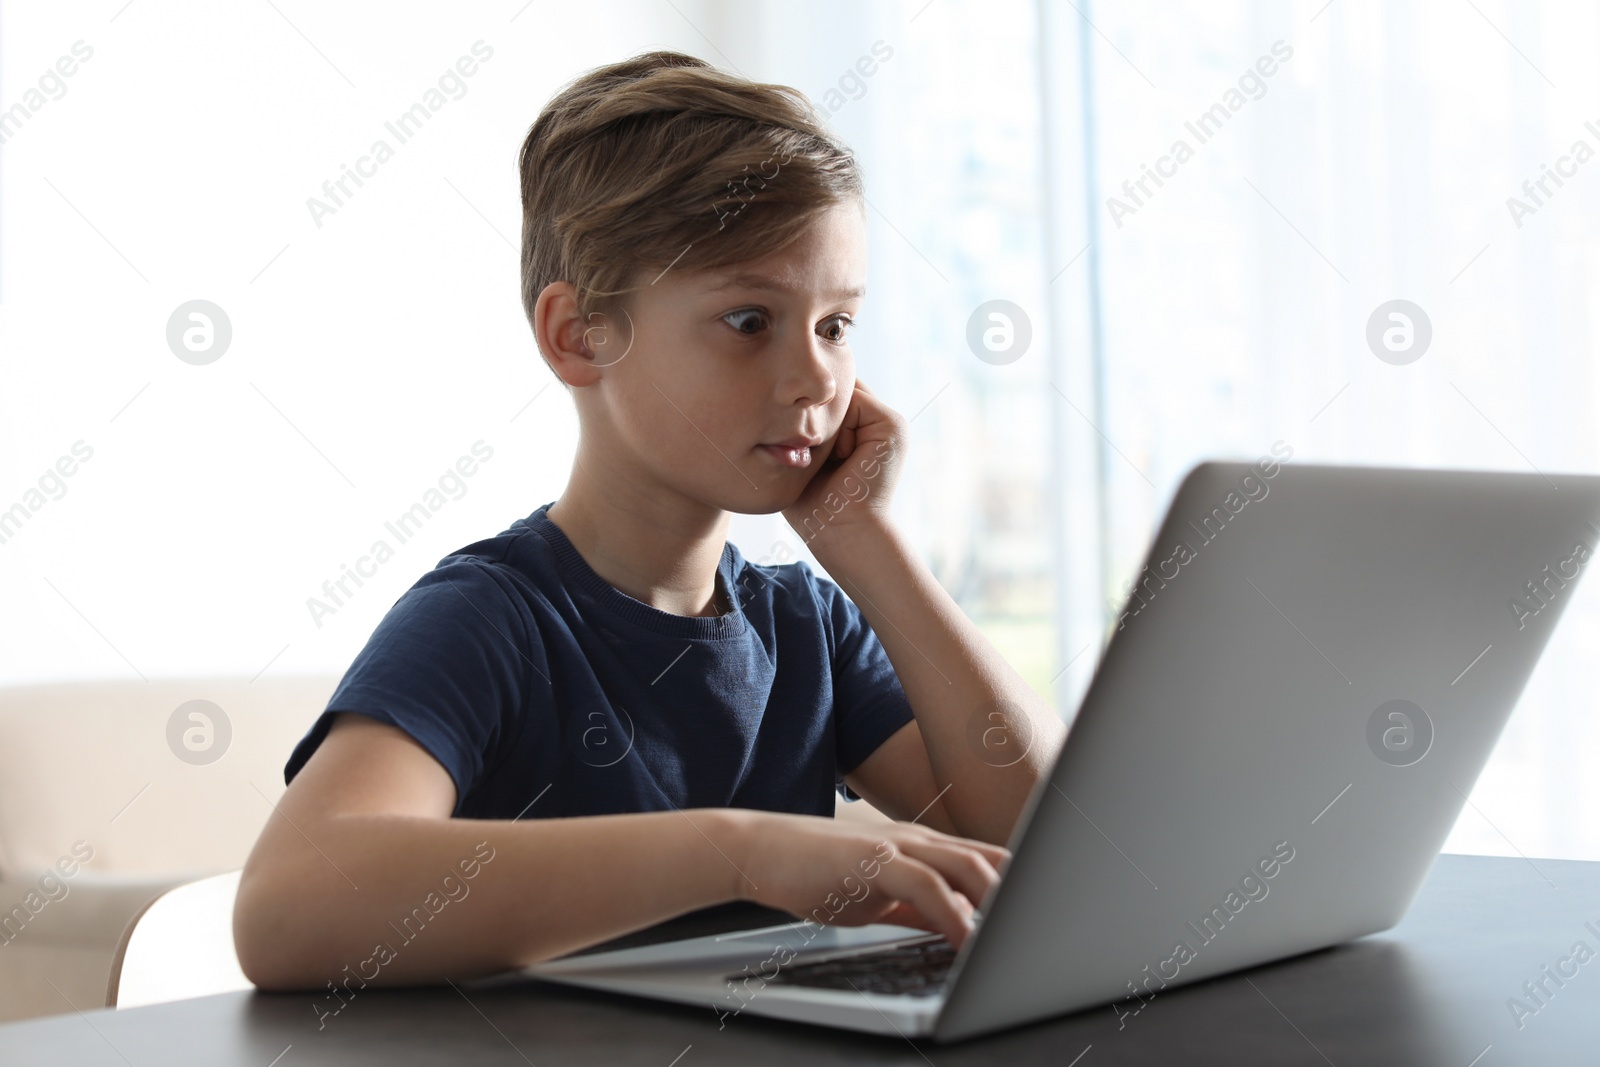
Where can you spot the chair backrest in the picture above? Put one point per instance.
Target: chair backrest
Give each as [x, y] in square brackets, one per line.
[171, 778]
[180, 947]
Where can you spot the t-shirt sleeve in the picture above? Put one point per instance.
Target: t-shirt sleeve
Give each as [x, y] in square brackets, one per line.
[869, 704]
[449, 664]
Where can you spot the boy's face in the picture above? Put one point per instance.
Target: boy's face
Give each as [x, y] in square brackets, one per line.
[737, 379]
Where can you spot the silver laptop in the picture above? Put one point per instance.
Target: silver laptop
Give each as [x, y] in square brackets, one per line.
[1303, 686]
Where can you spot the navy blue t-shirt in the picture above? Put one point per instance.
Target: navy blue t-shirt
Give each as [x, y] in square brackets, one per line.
[546, 692]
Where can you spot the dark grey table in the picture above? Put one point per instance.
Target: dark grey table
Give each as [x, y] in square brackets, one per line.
[1437, 989]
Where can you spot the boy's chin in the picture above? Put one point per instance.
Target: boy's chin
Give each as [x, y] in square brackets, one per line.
[772, 505]
[767, 501]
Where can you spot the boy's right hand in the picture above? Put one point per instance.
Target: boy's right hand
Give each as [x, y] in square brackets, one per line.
[854, 874]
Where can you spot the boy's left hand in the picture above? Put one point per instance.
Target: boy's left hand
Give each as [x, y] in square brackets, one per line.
[855, 482]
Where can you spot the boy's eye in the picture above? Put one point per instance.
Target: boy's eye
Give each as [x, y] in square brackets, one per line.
[745, 321]
[834, 329]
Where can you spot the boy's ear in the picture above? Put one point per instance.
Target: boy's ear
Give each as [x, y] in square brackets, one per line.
[565, 339]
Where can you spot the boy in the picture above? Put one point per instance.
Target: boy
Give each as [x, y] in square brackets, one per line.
[604, 716]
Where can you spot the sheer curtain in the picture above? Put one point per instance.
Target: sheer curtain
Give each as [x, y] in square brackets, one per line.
[1378, 162]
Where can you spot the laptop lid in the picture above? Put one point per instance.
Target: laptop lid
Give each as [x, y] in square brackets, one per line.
[1308, 677]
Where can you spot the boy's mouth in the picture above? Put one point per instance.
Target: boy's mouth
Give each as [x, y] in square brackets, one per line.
[789, 455]
[793, 452]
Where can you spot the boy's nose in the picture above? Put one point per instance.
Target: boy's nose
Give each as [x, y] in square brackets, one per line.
[810, 380]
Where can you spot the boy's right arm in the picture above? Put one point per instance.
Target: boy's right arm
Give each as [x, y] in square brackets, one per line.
[363, 837]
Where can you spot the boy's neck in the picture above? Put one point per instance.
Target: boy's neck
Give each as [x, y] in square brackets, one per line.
[656, 546]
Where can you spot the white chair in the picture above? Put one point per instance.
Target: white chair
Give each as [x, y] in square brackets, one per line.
[180, 947]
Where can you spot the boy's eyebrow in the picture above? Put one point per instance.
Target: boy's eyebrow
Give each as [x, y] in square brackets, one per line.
[761, 281]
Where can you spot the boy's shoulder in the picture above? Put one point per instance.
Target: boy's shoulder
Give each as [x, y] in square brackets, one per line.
[779, 567]
[499, 576]
[526, 546]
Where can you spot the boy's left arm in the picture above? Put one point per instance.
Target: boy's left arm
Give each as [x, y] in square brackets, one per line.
[982, 737]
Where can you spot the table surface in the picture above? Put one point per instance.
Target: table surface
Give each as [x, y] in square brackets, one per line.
[1437, 989]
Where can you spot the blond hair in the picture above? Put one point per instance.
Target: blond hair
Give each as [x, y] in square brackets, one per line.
[664, 161]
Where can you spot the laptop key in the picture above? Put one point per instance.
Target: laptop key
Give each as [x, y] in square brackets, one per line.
[919, 970]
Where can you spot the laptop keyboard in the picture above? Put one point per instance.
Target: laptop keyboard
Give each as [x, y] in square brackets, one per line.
[918, 969]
